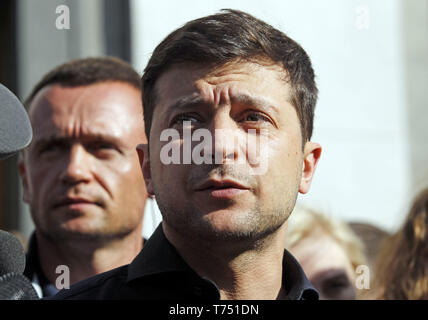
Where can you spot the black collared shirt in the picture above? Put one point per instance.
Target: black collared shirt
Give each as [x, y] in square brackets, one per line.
[34, 272]
[159, 272]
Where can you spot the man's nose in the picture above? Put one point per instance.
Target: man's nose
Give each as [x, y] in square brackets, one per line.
[78, 168]
[226, 139]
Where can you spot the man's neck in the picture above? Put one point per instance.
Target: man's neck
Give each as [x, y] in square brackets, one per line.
[241, 271]
[86, 258]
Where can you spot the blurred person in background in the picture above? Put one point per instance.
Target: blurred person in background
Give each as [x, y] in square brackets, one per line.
[372, 237]
[402, 266]
[328, 251]
[81, 173]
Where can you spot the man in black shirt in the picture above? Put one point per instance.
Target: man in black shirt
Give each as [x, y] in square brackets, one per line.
[228, 104]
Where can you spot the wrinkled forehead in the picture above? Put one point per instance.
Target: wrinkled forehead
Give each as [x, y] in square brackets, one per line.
[238, 78]
[188, 72]
[114, 109]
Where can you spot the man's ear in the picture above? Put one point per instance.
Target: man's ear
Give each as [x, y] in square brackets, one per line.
[312, 154]
[144, 158]
[26, 194]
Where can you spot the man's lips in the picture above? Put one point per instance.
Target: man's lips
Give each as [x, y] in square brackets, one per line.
[75, 202]
[222, 188]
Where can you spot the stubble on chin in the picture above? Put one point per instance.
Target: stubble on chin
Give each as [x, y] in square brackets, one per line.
[54, 227]
[250, 226]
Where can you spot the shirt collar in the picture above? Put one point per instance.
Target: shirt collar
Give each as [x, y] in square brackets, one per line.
[33, 270]
[296, 284]
[159, 256]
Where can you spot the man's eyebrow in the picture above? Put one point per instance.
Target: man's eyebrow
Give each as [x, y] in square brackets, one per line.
[87, 137]
[187, 102]
[258, 102]
[50, 139]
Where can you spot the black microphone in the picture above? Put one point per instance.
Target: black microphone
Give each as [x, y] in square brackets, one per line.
[13, 284]
[15, 127]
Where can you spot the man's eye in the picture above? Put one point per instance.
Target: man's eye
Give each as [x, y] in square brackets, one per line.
[185, 119]
[105, 146]
[255, 117]
[101, 146]
[52, 147]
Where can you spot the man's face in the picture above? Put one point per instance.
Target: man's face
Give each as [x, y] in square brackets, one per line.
[81, 173]
[228, 199]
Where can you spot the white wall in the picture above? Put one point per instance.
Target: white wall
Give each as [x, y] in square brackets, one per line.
[362, 117]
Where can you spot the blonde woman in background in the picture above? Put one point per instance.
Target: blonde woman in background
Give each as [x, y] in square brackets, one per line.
[402, 268]
[329, 252]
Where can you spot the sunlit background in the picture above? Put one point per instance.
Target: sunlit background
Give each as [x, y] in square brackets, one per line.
[370, 59]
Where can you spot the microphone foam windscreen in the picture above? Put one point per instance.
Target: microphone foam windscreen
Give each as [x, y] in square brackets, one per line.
[12, 255]
[15, 127]
[16, 287]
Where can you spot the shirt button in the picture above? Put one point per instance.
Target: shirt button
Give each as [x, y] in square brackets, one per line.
[197, 291]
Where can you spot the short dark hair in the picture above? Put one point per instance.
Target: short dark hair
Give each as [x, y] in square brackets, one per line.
[82, 72]
[228, 36]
